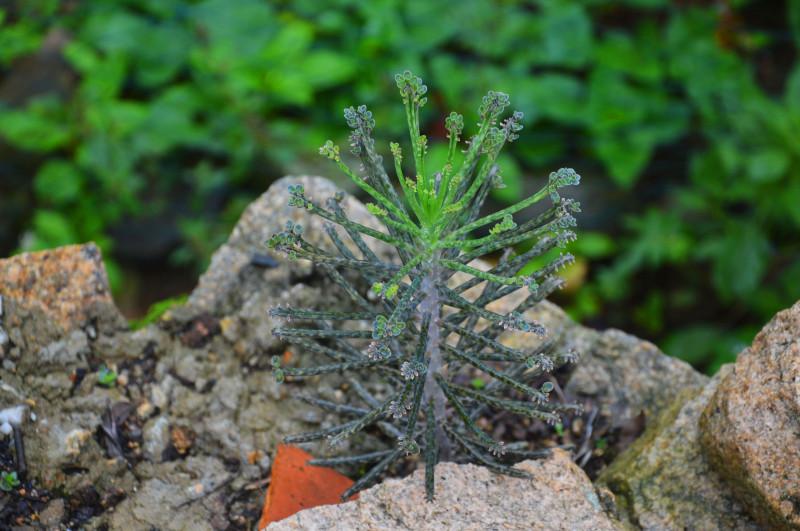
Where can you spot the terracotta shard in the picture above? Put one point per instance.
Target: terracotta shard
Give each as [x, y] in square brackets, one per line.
[296, 485]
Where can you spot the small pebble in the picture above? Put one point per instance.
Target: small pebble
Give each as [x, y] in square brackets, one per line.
[159, 397]
[145, 409]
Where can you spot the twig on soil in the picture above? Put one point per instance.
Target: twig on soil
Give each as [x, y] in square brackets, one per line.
[585, 452]
[205, 494]
[261, 483]
[19, 450]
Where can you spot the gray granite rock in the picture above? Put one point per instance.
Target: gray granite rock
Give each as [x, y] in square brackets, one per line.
[751, 425]
[621, 373]
[219, 387]
[175, 496]
[221, 286]
[468, 497]
[664, 481]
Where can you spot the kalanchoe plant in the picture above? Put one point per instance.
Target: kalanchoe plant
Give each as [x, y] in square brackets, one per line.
[426, 338]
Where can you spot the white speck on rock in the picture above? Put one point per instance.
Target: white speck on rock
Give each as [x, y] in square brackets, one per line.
[9, 417]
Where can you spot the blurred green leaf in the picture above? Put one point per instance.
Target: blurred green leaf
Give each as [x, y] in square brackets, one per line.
[51, 229]
[739, 259]
[624, 156]
[594, 245]
[40, 127]
[557, 20]
[768, 165]
[701, 343]
[17, 39]
[793, 12]
[157, 310]
[58, 182]
[324, 68]
[636, 57]
[793, 90]
[512, 180]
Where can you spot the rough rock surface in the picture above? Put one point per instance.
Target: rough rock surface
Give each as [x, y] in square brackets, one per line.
[751, 426]
[663, 481]
[469, 497]
[69, 284]
[205, 409]
[201, 395]
[220, 286]
[159, 500]
[624, 374]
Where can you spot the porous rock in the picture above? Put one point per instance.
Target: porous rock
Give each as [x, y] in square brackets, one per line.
[221, 387]
[68, 284]
[469, 497]
[751, 425]
[664, 481]
[175, 496]
[219, 288]
[621, 373]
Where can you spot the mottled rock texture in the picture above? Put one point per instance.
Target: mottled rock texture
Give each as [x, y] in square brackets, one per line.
[751, 425]
[220, 286]
[621, 373]
[204, 368]
[68, 284]
[468, 497]
[664, 481]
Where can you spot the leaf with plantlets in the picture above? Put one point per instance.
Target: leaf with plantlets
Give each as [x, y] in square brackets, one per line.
[421, 334]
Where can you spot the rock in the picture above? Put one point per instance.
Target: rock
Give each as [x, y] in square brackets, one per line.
[214, 379]
[219, 289]
[663, 481]
[175, 496]
[751, 426]
[52, 515]
[68, 284]
[469, 497]
[60, 441]
[156, 438]
[67, 352]
[625, 375]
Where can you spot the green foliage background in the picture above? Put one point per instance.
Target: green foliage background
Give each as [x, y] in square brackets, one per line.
[147, 126]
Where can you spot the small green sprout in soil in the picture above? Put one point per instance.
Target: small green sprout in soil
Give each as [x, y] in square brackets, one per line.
[423, 331]
[8, 481]
[106, 377]
[157, 311]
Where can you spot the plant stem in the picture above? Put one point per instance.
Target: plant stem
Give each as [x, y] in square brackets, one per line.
[432, 393]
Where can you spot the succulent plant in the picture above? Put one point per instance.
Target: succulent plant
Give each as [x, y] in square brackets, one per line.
[419, 331]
